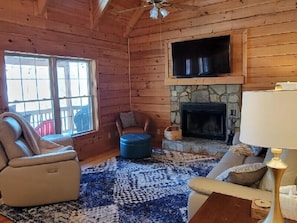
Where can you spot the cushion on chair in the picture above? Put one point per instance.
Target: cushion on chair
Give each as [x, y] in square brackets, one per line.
[3, 158]
[11, 139]
[134, 129]
[127, 119]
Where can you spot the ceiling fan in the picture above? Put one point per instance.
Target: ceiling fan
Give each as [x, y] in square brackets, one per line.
[158, 7]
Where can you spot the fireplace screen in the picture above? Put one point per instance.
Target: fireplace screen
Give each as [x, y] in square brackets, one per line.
[204, 120]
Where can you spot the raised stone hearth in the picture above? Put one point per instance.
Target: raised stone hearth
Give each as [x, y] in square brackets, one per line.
[197, 145]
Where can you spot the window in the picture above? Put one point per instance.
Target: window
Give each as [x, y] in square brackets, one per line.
[53, 94]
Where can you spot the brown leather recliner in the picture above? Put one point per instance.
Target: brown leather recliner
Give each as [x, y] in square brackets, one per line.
[132, 122]
[28, 179]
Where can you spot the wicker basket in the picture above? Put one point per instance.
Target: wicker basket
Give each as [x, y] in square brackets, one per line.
[173, 133]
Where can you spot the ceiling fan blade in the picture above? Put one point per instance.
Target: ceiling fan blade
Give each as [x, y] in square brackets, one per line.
[132, 9]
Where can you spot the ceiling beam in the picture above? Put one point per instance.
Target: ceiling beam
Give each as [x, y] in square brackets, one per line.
[132, 22]
[98, 9]
[40, 7]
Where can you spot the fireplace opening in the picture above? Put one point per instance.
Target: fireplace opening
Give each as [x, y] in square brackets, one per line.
[204, 120]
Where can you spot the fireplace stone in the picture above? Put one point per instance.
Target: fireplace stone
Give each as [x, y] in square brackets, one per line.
[209, 147]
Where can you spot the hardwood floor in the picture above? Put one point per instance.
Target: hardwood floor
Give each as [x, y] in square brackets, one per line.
[84, 164]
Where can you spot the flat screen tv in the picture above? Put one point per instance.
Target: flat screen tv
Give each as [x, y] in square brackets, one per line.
[206, 57]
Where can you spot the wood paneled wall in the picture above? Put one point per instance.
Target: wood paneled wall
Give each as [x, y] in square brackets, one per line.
[271, 54]
[136, 66]
[65, 29]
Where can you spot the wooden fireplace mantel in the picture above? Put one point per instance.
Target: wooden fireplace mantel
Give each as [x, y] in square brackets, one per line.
[205, 80]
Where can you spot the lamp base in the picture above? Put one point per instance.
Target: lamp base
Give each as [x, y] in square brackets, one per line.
[277, 168]
[266, 220]
[269, 220]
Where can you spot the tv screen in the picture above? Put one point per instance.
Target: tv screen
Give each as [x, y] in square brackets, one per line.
[201, 58]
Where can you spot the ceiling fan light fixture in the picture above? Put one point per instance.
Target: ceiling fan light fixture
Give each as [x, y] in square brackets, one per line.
[154, 13]
[164, 12]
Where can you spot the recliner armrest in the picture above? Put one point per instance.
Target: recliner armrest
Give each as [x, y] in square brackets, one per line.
[119, 126]
[43, 159]
[206, 186]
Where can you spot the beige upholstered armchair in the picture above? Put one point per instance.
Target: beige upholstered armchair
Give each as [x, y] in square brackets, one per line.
[132, 122]
[34, 171]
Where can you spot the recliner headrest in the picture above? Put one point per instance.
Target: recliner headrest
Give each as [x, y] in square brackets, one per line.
[15, 126]
[12, 139]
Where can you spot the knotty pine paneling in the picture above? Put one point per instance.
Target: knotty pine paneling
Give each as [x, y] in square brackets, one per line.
[271, 53]
[65, 30]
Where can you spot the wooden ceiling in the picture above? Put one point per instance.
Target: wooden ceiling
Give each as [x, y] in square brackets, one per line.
[128, 19]
[99, 13]
[102, 16]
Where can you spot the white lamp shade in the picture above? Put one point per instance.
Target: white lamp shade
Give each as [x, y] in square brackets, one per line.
[269, 119]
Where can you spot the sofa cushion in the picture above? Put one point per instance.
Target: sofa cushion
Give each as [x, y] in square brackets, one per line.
[3, 158]
[246, 174]
[289, 156]
[12, 140]
[242, 149]
[253, 159]
[127, 119]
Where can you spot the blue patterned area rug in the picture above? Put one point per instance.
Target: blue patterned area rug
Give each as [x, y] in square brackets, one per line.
[150, 190]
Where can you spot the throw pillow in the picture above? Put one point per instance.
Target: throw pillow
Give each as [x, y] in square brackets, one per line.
[127, 119]
[242, 149]
[246, 174]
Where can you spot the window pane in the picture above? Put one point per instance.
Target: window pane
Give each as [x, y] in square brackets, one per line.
[66, 110]
[14, 90]
[28, 72]
[29, 90]
[28, 85]
[83, 118]
[74, 84]
[13, 71]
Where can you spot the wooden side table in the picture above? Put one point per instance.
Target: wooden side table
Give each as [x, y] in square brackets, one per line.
[225, 209]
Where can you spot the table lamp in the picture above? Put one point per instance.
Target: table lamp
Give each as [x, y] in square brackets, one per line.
[269, 119]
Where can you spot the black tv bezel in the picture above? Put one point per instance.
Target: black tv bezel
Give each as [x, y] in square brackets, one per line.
[215, 74]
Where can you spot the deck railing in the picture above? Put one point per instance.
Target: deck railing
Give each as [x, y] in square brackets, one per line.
[37, 117]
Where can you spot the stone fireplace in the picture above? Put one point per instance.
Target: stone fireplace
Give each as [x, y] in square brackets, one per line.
[220, 120]
[227, 94]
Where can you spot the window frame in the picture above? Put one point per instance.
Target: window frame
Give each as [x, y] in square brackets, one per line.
[54, 88]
